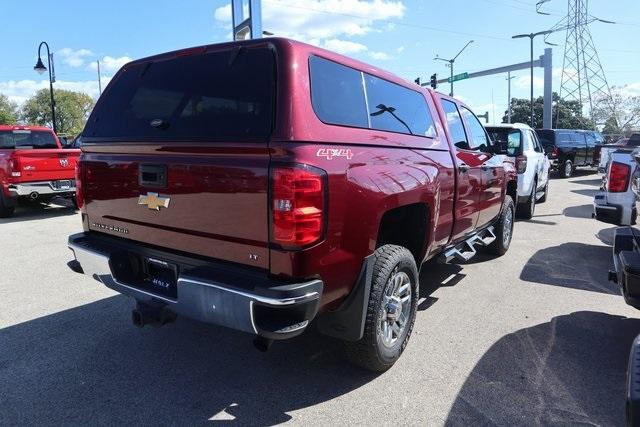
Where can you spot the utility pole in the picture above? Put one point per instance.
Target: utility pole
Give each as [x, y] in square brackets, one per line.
[99, 79]
[531, 37]
[451, 61]
[509, 78]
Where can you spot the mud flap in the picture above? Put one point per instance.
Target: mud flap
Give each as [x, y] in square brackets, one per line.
[347, 322]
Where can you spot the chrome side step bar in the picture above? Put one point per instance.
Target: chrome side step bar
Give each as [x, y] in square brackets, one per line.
[466, 250]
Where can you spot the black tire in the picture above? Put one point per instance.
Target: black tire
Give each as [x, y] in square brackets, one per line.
[527, 209]
[74, 203]
[566, 169]
[371, 352]
[5, 211]
[501, 245]
[546, 192]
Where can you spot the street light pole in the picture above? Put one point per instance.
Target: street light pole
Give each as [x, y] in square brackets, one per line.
[451, 61]
[531, 37]
[509, 78]
[40, 68]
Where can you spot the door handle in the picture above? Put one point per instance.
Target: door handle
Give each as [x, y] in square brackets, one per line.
[463, 168]
[485, 168]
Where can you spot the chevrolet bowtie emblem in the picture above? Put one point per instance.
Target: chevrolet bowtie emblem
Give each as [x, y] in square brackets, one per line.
[154, 201]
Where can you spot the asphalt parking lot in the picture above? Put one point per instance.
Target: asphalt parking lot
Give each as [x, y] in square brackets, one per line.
[536, 337]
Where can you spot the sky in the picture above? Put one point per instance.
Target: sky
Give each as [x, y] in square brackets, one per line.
[401, 36]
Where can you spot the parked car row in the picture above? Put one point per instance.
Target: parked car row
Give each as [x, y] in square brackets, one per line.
[568, 149]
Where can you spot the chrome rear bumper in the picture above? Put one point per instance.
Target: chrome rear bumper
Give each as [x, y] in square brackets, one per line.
[270, 309]
[43, 187]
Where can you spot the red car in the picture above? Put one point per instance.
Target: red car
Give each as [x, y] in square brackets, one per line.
[34, 166]
[263, 184]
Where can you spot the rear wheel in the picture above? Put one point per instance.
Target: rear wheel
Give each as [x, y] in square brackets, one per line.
[527, 209]
[503, 229]
[544, 196]
[391, 310]
[5, 211]
[566, 169]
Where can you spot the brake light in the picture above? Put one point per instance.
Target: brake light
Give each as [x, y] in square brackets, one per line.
[15, 168]
[298, 205]
[79, 188]
[618, 178]
[521, 163]
[555, 152]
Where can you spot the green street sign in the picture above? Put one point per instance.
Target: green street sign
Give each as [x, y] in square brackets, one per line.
[458, 77]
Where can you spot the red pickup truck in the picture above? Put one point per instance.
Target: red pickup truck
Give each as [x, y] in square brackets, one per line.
[263, 184]
[34, 166]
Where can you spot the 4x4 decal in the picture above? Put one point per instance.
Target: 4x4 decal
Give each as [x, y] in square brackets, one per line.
[330, 153]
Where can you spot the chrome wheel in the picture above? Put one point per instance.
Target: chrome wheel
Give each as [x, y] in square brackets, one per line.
[507, 226]
[395, 309]
[568, 168]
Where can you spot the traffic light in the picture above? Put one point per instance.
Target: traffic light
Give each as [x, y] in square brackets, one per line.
[434, 81]
[417, 81]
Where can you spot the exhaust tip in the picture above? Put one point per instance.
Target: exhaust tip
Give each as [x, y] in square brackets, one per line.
[34, 195]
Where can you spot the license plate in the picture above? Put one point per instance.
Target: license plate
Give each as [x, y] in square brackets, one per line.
[62, 185]
[161, 277]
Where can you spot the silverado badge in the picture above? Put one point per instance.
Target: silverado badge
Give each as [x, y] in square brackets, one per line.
[64, 163]
[154, 201]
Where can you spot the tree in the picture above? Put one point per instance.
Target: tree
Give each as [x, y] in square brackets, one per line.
[8, 111]
[621, 113]
[566, 114]
[72, 110]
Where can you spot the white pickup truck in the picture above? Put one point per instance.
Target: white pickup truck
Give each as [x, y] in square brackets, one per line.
[615, 203]
[622, 145]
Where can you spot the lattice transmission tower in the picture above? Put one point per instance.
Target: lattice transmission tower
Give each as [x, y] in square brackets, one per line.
[583, 78]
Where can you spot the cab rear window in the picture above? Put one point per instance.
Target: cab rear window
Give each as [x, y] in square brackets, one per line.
[24, 139]
[210, 96]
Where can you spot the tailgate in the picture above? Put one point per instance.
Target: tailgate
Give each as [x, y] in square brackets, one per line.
[183, 163]
[47, 164]
[214, 205]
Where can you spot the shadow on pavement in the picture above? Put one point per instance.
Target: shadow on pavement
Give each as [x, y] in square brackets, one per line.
[586, 192]
[89, 365]
[568, 371]
[595, 182]
[572, 265]
[33, 211]
[606, 235]
[582, 211]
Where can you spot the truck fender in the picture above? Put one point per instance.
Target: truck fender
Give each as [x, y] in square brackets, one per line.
[347, 322]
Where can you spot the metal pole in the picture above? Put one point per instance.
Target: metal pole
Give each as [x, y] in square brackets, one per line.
[99, 79]
[509, 96]
[532, 126]
[548, 90]
[53, 103]
[451, 64]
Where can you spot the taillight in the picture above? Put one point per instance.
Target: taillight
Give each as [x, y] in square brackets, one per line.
[15, 167]
[79, 179]
[555, 152]
[298, 205]
[521, 163]
[618, 178]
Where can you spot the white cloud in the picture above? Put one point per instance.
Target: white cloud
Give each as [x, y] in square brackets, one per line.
[74, 58]
[524, 82]
[381, 56]
[343, 46]
[20, 90]
[400, 49]
[110, 64]
[315, 21]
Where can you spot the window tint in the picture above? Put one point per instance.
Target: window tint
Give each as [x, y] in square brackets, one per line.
[591, 139]
[478, 140]
[397, 109]
[228, 94]
[454, 122]
[337, 93]
[27, 139]
[564, 139]
[507, 139]
[537, 146]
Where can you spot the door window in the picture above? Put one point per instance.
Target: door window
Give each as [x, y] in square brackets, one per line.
[537, 147]
[454, 123]
[479, 139]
